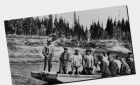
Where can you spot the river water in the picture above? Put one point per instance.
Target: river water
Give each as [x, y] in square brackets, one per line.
[20, 73]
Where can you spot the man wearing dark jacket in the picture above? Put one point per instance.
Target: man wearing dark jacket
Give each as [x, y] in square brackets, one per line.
[64, 59]
[104, 67]
[130, 62]
[112, 66]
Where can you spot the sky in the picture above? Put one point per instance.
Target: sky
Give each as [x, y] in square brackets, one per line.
[86, 17]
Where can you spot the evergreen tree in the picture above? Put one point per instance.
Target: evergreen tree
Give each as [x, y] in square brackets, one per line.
[50, 25]
[109, 28]
[55, 24]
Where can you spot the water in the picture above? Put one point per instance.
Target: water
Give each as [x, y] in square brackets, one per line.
[20, 73]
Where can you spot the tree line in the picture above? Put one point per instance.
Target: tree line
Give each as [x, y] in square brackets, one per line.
[117, 29]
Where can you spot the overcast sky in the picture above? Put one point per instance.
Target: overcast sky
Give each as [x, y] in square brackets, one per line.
[87, 16]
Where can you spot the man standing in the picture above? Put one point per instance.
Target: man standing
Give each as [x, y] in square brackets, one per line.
[88, 62]
[64, 59]
[48, 52]
[112, 66]
[76, 61]
[104, 67]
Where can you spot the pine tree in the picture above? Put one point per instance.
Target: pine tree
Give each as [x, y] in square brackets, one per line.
[50, 25]
[55, 21]
[128, 34]
[109, 28]
[75, 20]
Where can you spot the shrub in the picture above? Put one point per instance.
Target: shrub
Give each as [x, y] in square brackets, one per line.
[28, 43]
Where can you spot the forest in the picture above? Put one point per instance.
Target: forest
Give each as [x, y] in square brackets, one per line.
[117, 29]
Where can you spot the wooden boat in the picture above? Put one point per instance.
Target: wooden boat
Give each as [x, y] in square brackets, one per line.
[51, 77]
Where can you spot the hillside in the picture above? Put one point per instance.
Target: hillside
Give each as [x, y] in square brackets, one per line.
[29, 48]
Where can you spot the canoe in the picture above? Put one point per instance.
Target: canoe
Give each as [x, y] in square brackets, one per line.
[51, 77]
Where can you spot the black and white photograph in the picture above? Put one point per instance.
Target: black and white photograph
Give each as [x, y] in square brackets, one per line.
[70, 47]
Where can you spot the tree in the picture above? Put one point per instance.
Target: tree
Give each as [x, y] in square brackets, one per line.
[95, 34]
[20, 30]
[55, 24]
[67, 29]
[109, 28]
[75, 20]
[8, 27]
[128, 34]
[12, 25]
[86, 32]
[50, 25]
[119, 30]
[56, 21]
[60, 26]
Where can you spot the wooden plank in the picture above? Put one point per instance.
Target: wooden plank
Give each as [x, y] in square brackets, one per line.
[79, 76]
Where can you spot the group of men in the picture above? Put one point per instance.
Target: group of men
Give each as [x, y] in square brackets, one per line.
[117, 65]
[76, 61]
[108, 64]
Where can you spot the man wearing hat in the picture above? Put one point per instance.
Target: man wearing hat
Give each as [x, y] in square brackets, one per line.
[64, 59]
[48, 52]
[88, 62]
[130, 61]
[104, 67]
[112, 65]
[76, 61]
